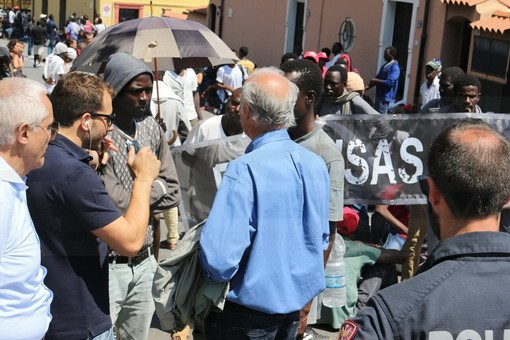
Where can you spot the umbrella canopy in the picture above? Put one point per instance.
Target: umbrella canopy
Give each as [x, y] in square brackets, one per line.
[174, 42]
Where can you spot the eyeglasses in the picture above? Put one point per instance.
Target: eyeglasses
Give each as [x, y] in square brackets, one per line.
[109, 118]
[52, 129]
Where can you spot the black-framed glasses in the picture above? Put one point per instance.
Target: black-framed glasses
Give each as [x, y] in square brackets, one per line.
[109, 118]
[424, 185]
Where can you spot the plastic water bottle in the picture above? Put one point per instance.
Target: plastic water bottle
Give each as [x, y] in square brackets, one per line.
[335, 294]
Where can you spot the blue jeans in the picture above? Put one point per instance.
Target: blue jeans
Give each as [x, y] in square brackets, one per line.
[30, 45]
[51, 45]
[108, 335]
[131, 302]
[237, 322]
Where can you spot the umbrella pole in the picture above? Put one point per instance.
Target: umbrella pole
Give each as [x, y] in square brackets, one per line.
[158, 115]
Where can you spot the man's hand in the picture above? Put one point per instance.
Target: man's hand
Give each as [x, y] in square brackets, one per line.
[162, 123]
[373, 82]
[108, 145]
[100, 157]
[144, 166]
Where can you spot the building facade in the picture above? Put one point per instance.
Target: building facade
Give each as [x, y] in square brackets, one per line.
[112, 12]
[472, 34]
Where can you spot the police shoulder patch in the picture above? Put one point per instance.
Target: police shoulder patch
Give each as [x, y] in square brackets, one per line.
[348, 330]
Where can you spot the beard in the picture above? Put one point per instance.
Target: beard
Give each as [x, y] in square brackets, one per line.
[142, 111]
[95, 140]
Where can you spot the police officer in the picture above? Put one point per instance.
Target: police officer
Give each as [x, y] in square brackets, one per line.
[460, 291]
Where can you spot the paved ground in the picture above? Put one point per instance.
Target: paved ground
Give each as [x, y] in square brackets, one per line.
[155, 332]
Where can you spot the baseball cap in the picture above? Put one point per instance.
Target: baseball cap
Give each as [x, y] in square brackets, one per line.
[60, 48]
[71, 53]
[435, 64]
[42, 16]
[322, 55]
[350, 222]
[311, 55]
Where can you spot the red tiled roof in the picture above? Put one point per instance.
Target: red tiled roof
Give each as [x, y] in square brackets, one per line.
[464, 2]
[499, 22]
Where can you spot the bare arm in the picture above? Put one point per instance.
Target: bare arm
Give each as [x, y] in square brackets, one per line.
[126, 234]
[391, 256]
[17, 63]
[392, 220]
[196, 101]
[221, 86]
[332, 236]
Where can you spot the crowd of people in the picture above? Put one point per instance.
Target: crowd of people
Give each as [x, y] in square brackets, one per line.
[84, 182]
[42, 37]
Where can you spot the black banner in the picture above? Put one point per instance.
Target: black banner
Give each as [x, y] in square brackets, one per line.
[383, 154]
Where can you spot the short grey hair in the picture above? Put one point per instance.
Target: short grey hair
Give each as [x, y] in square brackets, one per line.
[20, 102]
[272, 105]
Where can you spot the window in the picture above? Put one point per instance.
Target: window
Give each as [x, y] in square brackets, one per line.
[490, 56]
[125, 12]
[346, 34]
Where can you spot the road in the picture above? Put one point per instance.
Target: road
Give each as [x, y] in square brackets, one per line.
[155, 332]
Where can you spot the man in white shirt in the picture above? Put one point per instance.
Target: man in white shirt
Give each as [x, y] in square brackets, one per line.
[100, 27]
[184, 83]
[55, 67]
[228, 78]
[12, 15]
[225, 125]
[429, 90]
[26, 127]
[171, 110]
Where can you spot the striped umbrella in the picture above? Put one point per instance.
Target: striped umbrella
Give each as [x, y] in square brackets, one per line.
[174, 43]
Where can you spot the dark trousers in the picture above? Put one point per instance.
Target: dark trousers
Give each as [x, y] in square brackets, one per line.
[375, 278]
[237, 322]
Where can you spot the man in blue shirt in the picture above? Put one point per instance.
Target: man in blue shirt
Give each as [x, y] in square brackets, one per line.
[386, 81]
[73, 214]
[308, 78]
[268, 226]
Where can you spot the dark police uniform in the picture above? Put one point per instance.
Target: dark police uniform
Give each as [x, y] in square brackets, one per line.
[462, 292]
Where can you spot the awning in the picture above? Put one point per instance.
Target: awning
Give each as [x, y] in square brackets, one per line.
[499, 22]
[464, 2]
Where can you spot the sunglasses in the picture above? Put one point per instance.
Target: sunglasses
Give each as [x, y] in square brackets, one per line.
[424, 185]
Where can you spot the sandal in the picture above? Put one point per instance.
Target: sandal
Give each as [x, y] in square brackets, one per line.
[182, 335]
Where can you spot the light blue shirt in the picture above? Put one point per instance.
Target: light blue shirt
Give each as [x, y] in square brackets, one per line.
[24, 299]
[268, 226]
